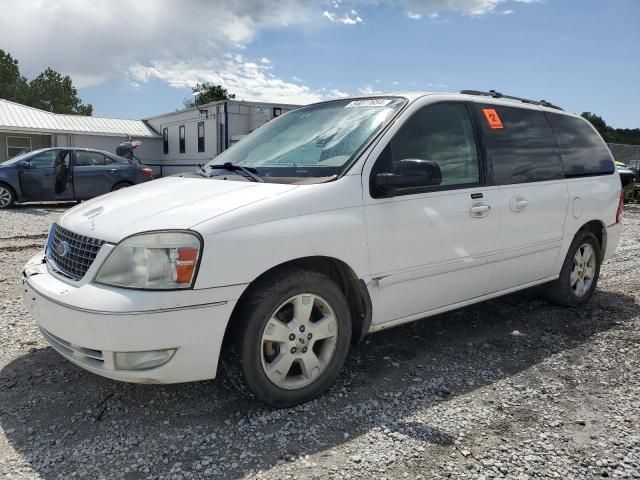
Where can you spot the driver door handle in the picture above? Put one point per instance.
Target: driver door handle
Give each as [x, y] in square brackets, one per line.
[479, 210]
[113, 170]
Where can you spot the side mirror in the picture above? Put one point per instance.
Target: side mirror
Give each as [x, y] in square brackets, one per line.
[411, 173]
[24, 164]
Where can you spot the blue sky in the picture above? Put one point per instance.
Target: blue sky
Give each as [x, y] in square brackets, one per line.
[582, 55]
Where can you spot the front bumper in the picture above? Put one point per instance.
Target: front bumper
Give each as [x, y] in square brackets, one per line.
[89, 323]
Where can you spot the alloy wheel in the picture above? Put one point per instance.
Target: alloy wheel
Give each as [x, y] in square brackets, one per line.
[5, 197]
[583, 269]
[299, 341]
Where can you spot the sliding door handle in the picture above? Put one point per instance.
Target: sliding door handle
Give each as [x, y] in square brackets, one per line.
[479, 210]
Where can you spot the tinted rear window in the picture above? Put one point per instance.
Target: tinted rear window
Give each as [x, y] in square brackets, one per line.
[583, 151]
[520, 145]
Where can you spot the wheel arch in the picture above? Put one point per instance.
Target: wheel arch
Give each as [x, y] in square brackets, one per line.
[354, 289]
[598, 228]
[122, 182]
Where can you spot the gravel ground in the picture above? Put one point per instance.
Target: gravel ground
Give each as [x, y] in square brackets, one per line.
[511, 388]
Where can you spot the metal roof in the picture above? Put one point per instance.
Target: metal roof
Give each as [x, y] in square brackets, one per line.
[17, 117]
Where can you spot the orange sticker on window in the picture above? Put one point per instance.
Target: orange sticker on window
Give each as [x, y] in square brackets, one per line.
[492, 118]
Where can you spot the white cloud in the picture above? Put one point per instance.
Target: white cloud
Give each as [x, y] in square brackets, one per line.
[98, 40]
[350, 18]
[507, 12]
[101, 40]
[248, 80]
[368, 90]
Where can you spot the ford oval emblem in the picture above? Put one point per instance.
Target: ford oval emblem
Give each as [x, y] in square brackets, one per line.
[61, 249]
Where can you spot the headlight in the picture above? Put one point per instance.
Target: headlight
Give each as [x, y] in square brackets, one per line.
[153, 261]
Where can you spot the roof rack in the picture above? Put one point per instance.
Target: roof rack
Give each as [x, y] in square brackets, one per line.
[494, 94]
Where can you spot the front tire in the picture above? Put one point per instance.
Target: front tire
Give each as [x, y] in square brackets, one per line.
[7, 197]
[579, 274]
[290, 338]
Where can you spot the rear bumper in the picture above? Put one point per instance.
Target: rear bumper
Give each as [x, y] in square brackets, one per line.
[613, 240]
[90, 338]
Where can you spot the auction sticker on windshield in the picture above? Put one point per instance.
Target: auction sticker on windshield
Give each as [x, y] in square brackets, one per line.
[370, 102]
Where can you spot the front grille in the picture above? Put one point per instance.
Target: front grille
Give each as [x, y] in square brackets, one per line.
[71, 254]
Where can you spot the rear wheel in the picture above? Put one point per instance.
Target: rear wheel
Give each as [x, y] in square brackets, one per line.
[7, 197]
[291, 338]
[579, 274]
[120, 186]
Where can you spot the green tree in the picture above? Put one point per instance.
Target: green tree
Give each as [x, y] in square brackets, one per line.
[206, 93]
[608, 133]
[13, 86]
[55, 93]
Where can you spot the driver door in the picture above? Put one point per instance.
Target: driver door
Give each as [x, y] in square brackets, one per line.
[429, 246]
[47, 177]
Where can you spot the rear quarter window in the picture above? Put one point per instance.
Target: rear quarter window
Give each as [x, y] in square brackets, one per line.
[583, 151]
[520, 145]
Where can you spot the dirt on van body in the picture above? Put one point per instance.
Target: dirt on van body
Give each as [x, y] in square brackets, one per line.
[512, 388]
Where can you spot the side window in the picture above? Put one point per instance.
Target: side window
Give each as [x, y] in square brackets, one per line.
[200, 136]
[583, 151]
[165, 140]
[441, 133]
[89, 159]
[181, 138]
[45, 159]
[521, 147]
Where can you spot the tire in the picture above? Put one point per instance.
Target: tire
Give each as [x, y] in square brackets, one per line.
[7, 196]
[566, 290]
[120, 186]
[272, 353]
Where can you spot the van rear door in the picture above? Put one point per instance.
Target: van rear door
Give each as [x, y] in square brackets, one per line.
[523, 159]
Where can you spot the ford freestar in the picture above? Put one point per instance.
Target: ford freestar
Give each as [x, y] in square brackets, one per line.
[333, 221]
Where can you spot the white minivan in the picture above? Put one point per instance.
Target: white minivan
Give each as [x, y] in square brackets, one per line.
[333, 221]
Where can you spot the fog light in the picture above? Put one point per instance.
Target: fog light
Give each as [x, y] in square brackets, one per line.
[142, 360]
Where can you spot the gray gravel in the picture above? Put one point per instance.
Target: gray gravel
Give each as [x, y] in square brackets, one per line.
[511, 388]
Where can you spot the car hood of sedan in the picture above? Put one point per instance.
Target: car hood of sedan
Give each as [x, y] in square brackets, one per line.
[164, 204]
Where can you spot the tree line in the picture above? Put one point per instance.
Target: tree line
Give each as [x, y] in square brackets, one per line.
[630, 136]
[49, 91]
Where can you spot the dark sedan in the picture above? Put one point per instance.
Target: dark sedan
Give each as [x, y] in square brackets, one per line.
[66, 174]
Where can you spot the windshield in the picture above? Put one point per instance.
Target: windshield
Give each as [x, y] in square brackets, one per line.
[313, 142]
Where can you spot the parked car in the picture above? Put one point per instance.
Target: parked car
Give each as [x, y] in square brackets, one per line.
[627, 175]
[328, 223]
[66, 174]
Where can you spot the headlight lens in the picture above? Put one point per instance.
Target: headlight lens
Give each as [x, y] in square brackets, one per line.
[153, 261]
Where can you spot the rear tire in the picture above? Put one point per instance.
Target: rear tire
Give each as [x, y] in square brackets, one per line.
[7, 197]
[121, 185]
[289, 339]
[579, 274]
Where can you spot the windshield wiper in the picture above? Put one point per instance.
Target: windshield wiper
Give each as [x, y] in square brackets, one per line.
[202, 171]
[248, 171]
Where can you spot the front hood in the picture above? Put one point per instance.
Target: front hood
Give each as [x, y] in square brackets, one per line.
[167, 203]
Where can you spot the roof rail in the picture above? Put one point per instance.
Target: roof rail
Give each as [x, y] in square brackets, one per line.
[494, 94]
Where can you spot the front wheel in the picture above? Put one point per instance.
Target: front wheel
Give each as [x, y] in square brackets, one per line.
[291, 338]
[7, 198]
[579, 274]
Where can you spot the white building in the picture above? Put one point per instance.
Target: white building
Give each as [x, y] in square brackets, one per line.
[25, 128]
[195, 135]
[171, 143]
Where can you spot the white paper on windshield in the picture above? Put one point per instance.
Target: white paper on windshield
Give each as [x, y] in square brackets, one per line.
[370, 102]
